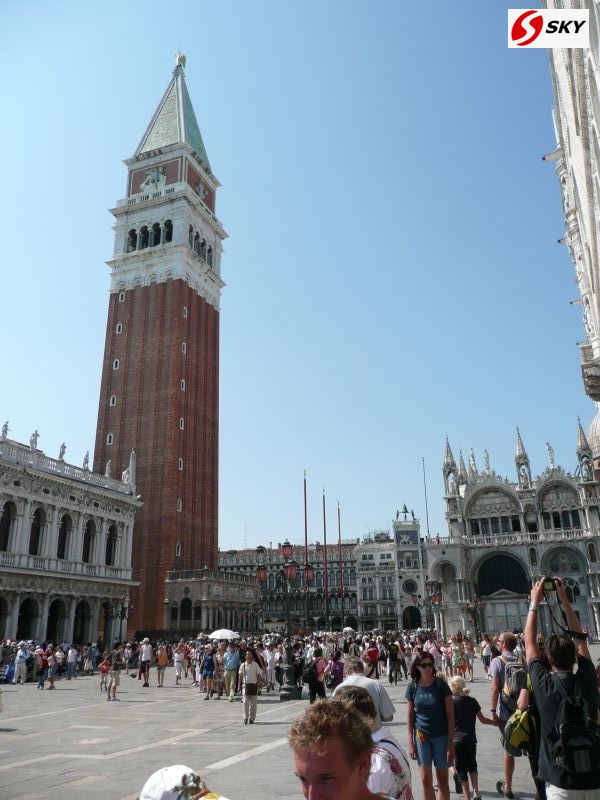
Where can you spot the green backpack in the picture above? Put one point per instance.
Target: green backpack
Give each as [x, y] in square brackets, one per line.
[520, 731]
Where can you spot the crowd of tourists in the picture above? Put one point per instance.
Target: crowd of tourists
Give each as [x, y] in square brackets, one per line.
[543, 699]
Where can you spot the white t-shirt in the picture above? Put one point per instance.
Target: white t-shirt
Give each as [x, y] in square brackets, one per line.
[390, 767]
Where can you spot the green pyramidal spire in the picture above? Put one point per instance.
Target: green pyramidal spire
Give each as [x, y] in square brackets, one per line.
[174, 120]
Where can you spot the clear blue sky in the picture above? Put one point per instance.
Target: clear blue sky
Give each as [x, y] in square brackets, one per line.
[393, 269]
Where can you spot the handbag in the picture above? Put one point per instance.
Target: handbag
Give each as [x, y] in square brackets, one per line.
[251, 689]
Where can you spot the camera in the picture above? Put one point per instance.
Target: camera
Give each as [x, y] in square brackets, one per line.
[549, 585]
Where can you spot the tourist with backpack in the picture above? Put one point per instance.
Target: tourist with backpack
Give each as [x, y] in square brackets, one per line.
[314, 675]
[430, 725]
[503, 703]
[569, 758]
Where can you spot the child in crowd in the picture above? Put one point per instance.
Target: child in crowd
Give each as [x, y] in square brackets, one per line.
[466, 713]
[104, 670]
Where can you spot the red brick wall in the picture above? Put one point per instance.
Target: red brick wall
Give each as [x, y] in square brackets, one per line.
[150, 403]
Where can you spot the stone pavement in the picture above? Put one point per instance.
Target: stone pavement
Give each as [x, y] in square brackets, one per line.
[73, 743]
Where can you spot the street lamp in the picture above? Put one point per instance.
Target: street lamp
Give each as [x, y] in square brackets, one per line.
[290, 569]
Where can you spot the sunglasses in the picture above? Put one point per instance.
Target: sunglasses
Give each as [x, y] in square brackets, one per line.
[426, 665]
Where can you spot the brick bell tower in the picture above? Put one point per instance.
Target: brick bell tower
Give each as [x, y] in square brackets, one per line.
[159, 395]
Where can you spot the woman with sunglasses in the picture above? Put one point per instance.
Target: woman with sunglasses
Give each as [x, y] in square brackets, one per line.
[430, 724]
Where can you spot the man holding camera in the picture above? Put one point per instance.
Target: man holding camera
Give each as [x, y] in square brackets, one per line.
[551, 686]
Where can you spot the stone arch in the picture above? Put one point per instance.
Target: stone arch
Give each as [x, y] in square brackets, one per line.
[411, 618]
[569, 564]
[57, 621]
[185, 611]
[4, 618]
[29, 611]
[8, 520]
[89, 541]
[82, 624]
[64, 536]
[559, 504]
[502, 571]
[38, 524]
[111, 546]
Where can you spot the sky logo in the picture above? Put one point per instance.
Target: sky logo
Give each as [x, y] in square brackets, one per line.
[553, 27]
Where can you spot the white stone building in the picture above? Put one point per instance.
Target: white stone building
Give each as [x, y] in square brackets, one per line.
[576, 83]
[503, 534]
[65, 547]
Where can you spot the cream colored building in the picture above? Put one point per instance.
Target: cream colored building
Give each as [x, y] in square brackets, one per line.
[65, 547]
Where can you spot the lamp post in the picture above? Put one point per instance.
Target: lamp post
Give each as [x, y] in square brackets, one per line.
[309, 575]
[123, 612]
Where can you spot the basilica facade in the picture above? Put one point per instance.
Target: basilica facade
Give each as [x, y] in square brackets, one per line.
[503, 534]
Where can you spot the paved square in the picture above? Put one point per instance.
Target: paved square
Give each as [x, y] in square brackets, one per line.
[71, 742]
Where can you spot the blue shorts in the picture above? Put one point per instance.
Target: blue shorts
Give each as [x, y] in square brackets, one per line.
[208, 674]
[433, 751]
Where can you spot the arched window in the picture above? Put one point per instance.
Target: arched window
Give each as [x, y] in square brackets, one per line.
[191, 237]
[209, 257]
[113, 400]
[197, 244]
[109, 439]
[35, 533]
[202, 252]
[7, 520]
[144, 237]
[131, 240]
[556, 520]
[121, 297]
[155, 235]
[592, 553]
[119, 328]
[181, 424]
[533, 556]
[64, 535]
[88, 541]
[168, 229]
[116, 364]
[186, 610]
[111, 546]
[180, 464]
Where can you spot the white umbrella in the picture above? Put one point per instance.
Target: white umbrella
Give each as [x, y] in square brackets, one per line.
[224, 633]
[348, 630]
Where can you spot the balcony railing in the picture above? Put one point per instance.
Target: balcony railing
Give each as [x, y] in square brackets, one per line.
[513, 538]
[19, 454]
[75, 569]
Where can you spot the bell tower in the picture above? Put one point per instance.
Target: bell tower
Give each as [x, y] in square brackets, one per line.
[160, 378]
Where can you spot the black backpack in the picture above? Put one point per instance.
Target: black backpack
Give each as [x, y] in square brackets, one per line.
[515, 679]
[575, 738]
[309, 674]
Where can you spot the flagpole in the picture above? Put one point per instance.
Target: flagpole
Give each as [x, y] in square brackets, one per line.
[340, 561]
[326, 581]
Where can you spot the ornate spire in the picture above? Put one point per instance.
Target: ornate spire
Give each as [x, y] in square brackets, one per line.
[584, 455]
[520, 452]
[473, 473]
[522, 464]
[449, 462]
[582, 442]
[449, 471]
[462, 470]
[174, 121]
